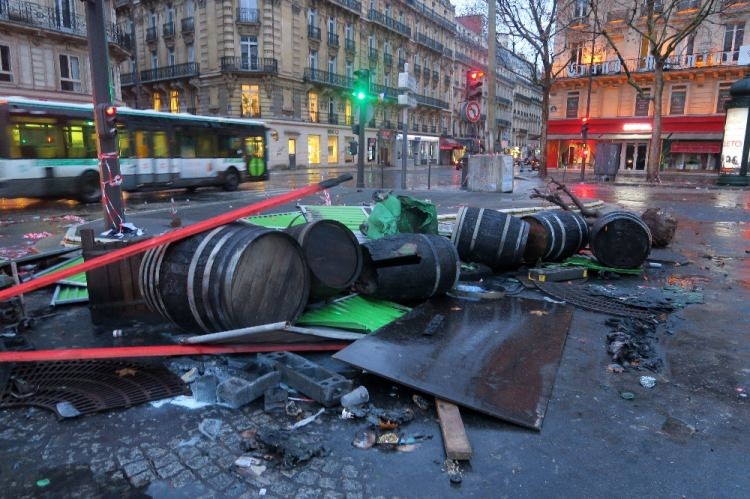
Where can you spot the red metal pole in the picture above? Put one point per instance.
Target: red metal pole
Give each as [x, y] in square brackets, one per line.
[169, 237]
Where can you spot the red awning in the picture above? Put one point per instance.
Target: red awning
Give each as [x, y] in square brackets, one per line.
[447, 143]
[697, 147]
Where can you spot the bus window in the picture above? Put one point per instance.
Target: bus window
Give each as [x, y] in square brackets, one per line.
[141, 146]
[161, 144]
[206, 147]
[185, 145]
[230, 146]
[80, 139]
[254, 146]
[123, 143]
[37, 140]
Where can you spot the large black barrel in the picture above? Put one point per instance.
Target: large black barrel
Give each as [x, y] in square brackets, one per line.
[554, 235]
[490, 237]
[333, 255]
[620, 239]
[408, 267]
[233, 276]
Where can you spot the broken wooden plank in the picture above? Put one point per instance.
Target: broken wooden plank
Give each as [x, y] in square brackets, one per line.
[455, 440]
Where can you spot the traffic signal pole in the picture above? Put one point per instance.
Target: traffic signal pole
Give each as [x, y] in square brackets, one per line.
[361, 149]
[109, 164]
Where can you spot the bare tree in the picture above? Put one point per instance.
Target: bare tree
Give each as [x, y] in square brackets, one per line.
[663, 26]
[532, 26]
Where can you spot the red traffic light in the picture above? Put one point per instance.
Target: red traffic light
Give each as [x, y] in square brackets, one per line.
[110, 111]
[476, 74]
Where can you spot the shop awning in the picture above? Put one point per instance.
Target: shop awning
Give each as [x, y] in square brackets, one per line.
[447, 143]
[697, 147]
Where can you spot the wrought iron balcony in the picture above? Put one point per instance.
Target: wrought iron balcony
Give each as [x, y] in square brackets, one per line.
[433, 129]
[333, 40]
[401, 62]
[373, 54]
[177, 71]
[352, 5]
[387, 59]
[432, 15]
[333, 119]
[389, 93]
[350, 46]
[688, 5]
[188, 25]
[417, 69]
[429, 101]
[389, 22]
[429, 43]
[248, 16]
[435, 77]
[617, 16]
[685, 62]
[120, 35]
[327, 78]
[313, 32]
[446, 80]
[167, 30]
[127, 79]
[265, 65]
[44, 17]
[151, 35]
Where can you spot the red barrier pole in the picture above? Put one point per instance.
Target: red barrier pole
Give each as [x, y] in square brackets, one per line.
[169, 237]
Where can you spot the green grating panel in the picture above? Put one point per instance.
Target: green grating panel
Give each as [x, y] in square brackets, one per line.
[277, 220]
[74, 280]
[355, 313]
[351, 216]
[592, 264]
[66, 295]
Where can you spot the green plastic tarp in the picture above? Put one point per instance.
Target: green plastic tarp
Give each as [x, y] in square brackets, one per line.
[401, 214]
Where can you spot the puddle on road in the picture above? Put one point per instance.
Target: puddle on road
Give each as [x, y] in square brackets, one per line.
[63, 481]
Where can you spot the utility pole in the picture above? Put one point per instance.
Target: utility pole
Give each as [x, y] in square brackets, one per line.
[585, 126]
[491, 68]
[361, 151]
[109, 164]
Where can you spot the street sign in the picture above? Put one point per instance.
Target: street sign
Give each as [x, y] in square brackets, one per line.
[472, 111]
[407, 82]
[406, 100]
[744, 57]
[369, 113]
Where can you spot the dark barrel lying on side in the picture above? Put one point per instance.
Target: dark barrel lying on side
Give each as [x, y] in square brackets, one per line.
[234, 276]
[490, 237]
[554, 235]
[620, 239]
[408, 267]
[333, 255]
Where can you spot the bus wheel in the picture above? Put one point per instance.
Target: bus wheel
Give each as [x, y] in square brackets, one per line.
[231, 180]
[89, 187]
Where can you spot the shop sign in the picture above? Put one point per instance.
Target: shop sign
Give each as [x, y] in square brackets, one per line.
[734, 138]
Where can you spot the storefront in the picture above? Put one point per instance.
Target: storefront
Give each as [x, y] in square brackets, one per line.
[421, 149]
[689, 144]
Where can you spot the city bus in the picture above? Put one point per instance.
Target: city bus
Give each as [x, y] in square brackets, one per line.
[49, 149]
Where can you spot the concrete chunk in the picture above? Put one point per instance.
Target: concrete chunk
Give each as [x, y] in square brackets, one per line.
[236, 392]
[324, 386]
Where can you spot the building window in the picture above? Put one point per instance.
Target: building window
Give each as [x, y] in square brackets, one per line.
[313, 149]
[65, 13]
[157, 101]
[70, 73]
[313, 60]
[189, 8]
[733, 36]
[571, 107]
[312, 100]
[724, 97]
[349, 70]
[249, 53]
[332, 25]
[581, 8]
[250, 107]
[642, 102]
[677, 99]
[332, 65]
[349, 32]
[171, 58]
[174, 101]
[190, 49]
[333, 149]
[6, 74]
[576, 53]
[154, 60]
[348, 113]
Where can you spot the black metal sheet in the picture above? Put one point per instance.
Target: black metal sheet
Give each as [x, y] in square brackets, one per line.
[499, 358]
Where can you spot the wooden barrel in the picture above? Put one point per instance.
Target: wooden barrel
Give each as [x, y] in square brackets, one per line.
[333, 255]
[620, 239]
[233, 276]
[490, 237]
[408, 267]
[554, 235]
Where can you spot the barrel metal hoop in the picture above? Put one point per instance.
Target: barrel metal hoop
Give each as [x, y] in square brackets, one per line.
[523, 235]
[206, 288]
[455, 236]
[501, 246]
[191, 277]
[159, 258]
[436, 257]
[476, 229]
[563, 235]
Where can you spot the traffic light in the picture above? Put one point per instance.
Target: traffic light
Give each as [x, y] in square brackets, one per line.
[353, 148]
[355, 128]
[474, 81]
[584, 128]
[361, 90]
[106, 120]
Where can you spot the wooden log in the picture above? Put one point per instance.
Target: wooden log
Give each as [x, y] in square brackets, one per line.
[455, 440]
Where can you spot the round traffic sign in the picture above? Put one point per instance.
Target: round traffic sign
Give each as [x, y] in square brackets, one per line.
[472, 111]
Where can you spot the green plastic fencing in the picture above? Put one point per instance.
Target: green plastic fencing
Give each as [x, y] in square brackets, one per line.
[351, 216]
[355, 313]
[74, 280]
[66, 295]
[277, 220]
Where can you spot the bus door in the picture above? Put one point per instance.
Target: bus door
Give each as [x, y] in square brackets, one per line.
[255, 157]
[153, 162]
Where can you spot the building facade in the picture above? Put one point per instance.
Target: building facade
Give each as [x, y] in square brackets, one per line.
[44, 50]
[592, 89]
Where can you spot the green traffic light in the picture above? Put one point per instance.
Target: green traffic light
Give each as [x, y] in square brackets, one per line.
[360, 95]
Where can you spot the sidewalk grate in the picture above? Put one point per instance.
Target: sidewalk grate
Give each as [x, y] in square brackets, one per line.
[580, 296]
[74, 388]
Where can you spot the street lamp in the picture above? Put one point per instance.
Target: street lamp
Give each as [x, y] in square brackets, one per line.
[736, 146]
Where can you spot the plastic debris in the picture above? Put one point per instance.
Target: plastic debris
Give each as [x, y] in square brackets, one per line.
[453, 470]
[647, 381]
[67, 410]
[420, 402]
[210, 428]
[306, 421]
[615, 368]
[358, 396]
[364, 439]
[43, 482]
[190, 375]
[627, 395]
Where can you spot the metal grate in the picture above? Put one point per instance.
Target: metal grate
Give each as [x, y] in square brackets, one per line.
[580, 296]
[88, 386]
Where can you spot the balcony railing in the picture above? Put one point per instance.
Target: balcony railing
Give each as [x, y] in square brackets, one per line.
[387, 59]
[352, 5]
[313, 32]
[127, 79]
[350, 45]
[170, 72]
[44, 17]
[248, 16]
[265, 65]
[429, 101]
[389, 93]
[432, 15]
[617, 16]
[401, 62]
[417, 69]
[333, 119]
[333, 40]
[151, 35]
[167, 30]
[389, 22]
[429, 42]
[646, 64]
[327, 78]
[188, 25]
[688, 5]
[373, 54]
[435, 77]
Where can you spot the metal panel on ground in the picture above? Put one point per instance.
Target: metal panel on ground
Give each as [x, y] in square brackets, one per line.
[499, 358]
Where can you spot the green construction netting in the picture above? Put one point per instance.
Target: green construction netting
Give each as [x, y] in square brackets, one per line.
[355, 313]
[591, 263]
[400, 214]
[277, 220]
[351, 216]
